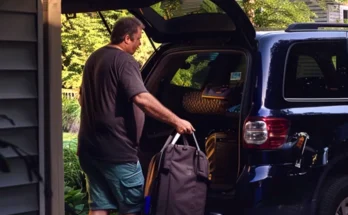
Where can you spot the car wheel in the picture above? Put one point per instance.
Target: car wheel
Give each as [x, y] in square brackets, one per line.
[334, 197]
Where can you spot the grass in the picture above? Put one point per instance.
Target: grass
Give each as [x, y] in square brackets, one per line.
[69, 139]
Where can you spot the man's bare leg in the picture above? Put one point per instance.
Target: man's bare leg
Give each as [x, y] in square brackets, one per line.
[131, 214]
[99, 212]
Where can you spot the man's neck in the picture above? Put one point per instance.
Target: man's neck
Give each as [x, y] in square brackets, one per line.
[117, 46]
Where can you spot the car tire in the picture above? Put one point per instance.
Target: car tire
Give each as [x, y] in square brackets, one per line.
[333, 195]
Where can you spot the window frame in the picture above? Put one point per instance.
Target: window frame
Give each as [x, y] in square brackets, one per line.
[310, 100]
[155, 75]
[343, 8]
[207, 76]
[191, 87]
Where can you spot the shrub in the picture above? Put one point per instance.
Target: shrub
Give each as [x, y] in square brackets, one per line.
[73, 176]
[75, 200]
[75, 195]
[75, 189]
[70, 115]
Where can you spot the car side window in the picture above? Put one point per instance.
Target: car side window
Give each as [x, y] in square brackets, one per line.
[199, 69]
[317, 70]
[194, 71]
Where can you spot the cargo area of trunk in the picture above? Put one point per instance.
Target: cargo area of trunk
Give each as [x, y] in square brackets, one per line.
[204, 87]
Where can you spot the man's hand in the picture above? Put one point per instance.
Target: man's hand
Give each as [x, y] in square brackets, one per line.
[184, 127]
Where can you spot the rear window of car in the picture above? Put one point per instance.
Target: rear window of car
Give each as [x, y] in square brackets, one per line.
[215, 68]
[317, 70]
[170, 9]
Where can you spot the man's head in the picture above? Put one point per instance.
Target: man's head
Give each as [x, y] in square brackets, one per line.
[127, 34]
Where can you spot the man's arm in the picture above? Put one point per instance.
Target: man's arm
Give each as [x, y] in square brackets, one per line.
[131, 83]
[152, 107]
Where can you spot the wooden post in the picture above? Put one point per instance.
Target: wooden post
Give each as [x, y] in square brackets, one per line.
[53, 106]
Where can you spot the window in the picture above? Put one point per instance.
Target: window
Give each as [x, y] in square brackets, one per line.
[213, 68]
[170, 9]
[317, 70]
[344, 13]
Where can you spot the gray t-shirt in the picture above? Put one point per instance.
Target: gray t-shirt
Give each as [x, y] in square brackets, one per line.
[111, 125]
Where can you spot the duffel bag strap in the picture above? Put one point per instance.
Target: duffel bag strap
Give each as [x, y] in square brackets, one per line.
[185, 140]
[168, 141]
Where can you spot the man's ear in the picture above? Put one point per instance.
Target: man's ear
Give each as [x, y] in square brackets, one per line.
[127, 39]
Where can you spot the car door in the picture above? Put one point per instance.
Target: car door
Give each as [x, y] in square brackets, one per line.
[191, 19]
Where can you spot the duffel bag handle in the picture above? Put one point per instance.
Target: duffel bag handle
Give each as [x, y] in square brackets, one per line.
[168, 141]
[172, 139]
[177, 136]
[196, 142]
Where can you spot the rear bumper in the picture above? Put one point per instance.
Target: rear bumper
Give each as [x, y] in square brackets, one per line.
[274, 190]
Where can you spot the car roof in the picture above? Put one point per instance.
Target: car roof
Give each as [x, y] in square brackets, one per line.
[283, 35]
[260, 34]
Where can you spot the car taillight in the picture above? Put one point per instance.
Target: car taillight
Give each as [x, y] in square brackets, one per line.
[265, 133]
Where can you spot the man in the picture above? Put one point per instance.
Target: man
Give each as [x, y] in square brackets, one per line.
[113, 101]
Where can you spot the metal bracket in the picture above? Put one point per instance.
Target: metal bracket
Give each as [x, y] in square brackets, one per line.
[26, 157]
[104, 21]
[70, 16]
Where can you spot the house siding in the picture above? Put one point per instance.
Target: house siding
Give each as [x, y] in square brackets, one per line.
[315, 7]
[20, 97]
[334, 13]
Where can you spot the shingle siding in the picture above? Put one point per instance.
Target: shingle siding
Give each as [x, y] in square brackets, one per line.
[318, 10]
[332, 12]
[19, 100]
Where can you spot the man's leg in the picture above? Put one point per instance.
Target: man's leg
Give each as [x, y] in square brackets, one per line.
[132, 214]
[127, 184]
[100, 198]
[98, 212]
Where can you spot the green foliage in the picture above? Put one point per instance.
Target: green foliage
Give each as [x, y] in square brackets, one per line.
[73, 176]
[173, 8]
[75, 187]
[167, 8]
[83, 35]
[194, 75]
[86, 33]
[76, 199]
[265, 13]
[70, 115]
[279, 13]
[80, 37]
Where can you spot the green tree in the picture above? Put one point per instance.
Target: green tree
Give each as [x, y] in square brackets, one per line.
[86, 33]
[83, 35]
[173, 8]
[195, 73]
[262, 13]
[277, 13]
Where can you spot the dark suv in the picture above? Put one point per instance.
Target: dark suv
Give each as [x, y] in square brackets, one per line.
[270, 109]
